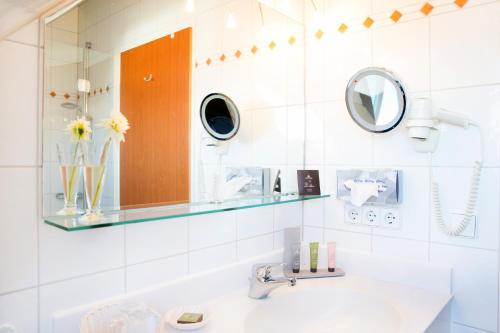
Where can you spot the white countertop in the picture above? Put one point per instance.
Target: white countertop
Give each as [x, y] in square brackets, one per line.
[416, 308]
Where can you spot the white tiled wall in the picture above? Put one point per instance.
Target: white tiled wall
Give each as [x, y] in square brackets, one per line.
[45, 270]
[451, 56]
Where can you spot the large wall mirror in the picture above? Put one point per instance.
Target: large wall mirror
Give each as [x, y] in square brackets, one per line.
[136, 91]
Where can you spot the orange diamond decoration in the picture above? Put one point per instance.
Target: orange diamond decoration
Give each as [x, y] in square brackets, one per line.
[291, 40]
[222, 57]
[461, 3]
[53, 94]
[66, 96]
[272, 45]
[343, 27]
[209, 61]
[319, 34]
[396, 15]
[254, 49]
[368, 22]
[427, 9]
[237, 54]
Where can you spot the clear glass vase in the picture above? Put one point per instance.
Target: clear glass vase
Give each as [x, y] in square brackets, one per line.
[70, 169]
[94, 173]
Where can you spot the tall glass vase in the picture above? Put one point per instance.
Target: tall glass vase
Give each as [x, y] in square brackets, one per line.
[94, 173]
[70, 169]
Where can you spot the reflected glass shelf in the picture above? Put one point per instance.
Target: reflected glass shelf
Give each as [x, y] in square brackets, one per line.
[139, 215]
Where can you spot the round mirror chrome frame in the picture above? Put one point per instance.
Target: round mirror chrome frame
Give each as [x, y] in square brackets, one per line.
[233, 110]
[349, 93]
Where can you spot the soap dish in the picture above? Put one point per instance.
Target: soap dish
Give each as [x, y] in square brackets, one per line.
[172, 315]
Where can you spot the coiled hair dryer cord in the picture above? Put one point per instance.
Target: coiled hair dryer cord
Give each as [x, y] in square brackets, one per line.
[470, 209]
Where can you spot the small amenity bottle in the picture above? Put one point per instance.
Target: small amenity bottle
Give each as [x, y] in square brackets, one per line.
[332, 248]
[313, 248]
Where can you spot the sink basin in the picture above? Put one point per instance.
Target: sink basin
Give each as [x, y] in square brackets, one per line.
[322, 310]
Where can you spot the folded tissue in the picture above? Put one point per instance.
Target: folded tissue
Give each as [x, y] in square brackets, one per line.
[361, 191]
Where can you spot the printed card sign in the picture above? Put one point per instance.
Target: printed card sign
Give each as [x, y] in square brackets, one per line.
[308, 181]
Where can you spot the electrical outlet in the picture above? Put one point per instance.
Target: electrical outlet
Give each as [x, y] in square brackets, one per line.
[371, 216]
[352, 215]
[390, 218]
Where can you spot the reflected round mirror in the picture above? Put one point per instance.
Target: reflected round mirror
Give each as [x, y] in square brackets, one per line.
[220, 117]
[376, 99]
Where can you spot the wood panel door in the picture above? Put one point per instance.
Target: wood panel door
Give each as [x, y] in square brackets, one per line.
[155, 96]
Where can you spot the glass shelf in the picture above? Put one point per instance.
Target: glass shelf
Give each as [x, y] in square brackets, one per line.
[129, 216]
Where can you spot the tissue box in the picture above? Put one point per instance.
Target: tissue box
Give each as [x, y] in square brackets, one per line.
[389, 184]
[261, 180]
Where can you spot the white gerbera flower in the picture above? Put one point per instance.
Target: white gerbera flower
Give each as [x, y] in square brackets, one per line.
[79, 129]
[117, 126]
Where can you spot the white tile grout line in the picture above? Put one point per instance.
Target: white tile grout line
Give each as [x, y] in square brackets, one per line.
[124, 267]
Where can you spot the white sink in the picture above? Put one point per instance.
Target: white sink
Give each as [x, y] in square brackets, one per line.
[322, 310]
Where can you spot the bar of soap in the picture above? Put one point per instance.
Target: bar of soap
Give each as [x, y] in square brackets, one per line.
[190, 318]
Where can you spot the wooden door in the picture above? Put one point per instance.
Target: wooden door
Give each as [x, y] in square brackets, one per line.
[155, 95]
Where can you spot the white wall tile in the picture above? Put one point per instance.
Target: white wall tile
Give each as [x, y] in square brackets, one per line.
[211, 229]
[212, 257]
[19, 96]
[349, 240]
[255, 221]
[454, 65]
[345, 142]
[286, 216]
[454, 187]
[402, 248]
[394, 149]
[156, 271]
[252, 247]
[414, 209]
[18, 231]
[313, 234]
[269, 139]
[474, 284]
[61, 296]
[407, 57]
[314, 213]
[481, 104]
[20, 310]
[146, 241]
[65, 254]
[341, 66]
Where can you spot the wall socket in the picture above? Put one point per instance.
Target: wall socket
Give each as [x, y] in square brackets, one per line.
[352, 214]
[372, 216]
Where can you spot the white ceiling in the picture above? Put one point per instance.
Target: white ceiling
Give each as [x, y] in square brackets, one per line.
[15, 12]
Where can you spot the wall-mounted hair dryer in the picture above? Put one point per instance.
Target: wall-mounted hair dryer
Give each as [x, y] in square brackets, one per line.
[423, 131]
[423, 121]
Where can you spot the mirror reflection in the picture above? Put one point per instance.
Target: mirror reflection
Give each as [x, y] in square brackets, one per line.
[375, 100]
[159, 106]
[220, 116]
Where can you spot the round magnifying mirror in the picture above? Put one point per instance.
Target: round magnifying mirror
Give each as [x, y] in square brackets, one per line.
[220, 116]
[376, 99]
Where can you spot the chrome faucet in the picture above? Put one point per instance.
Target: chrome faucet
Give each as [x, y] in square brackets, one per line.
[262, 282]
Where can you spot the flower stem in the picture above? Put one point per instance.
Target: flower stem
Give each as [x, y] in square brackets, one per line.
[73, 174]
[102, 166]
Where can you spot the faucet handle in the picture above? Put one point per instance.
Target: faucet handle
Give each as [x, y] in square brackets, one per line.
[263, 271]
